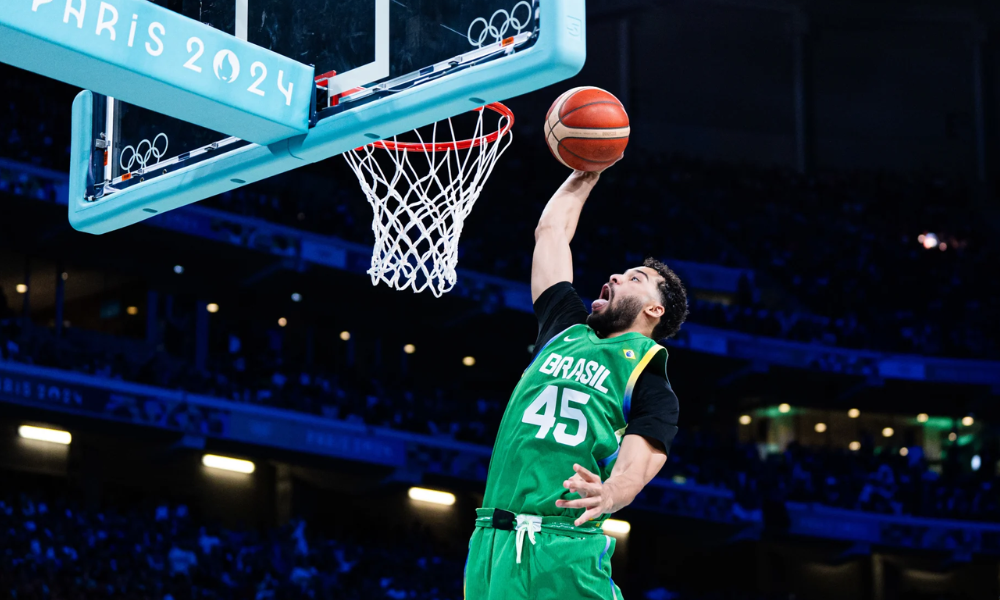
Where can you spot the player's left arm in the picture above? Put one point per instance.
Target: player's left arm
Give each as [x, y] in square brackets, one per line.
[639, 460]
[651, 429]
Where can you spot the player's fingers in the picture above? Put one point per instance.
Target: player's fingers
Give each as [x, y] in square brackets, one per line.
[585, 489]
[574, 483]
[592, 513]
[586, 475]
[581, 503]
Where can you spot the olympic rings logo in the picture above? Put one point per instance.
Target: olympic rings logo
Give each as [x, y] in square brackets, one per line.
[491, 33]
[141, 157]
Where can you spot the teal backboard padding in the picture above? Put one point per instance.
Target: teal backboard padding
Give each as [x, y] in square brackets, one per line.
[81, 140]
[147, 55]
[557, 54]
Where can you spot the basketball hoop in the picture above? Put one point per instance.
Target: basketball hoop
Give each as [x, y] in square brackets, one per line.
[420, 209]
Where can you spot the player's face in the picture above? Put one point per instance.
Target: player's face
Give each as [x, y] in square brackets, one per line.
[639, 282]
[622, 299]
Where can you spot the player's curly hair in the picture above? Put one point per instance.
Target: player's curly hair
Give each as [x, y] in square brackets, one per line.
[673, 296]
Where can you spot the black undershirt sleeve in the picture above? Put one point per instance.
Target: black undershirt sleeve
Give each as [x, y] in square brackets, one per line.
[557, 309]
[654, 408]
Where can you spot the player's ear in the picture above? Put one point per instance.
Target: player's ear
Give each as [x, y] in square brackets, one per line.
[655, 310]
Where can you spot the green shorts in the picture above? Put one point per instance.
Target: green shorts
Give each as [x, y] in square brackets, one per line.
[564, 563]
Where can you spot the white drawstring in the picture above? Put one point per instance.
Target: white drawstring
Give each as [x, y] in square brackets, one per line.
[529, 524]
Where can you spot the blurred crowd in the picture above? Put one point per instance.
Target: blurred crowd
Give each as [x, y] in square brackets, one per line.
[836, 258]
[35, 122]
[839, 256]
[871, 479]
[260, 376]
[55, 548]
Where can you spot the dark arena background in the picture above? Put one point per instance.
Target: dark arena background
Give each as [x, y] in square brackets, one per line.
[823, 176]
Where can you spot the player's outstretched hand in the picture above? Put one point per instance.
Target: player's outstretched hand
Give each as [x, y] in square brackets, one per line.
[595, 175]
[591, 491]
[587, 175]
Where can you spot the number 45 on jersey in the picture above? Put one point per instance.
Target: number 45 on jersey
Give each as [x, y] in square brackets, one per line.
[542, 412]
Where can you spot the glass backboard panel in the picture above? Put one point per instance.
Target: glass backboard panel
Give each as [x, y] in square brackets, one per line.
[397, 43]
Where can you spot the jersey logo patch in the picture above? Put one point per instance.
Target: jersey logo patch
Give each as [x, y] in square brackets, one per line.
[629, 354]
[569, 339]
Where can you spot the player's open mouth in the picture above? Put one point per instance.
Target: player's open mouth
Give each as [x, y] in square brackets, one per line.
[603, 300]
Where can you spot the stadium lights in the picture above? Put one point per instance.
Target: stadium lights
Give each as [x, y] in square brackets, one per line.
[227, 464]
[854, 413]
[968, 421]
[976, 462]
[468, 361]
[132, 310]
[617, 526]
[820, 427]
[904, 451]
[345, 335]
[44, 434]
[922, 418]
[212, 308]
[952, 436]
[745, 420]
[854, 446]
[409, 348]
[282, 322]
[178, 269]
[432, 496]
[21, 288]
[887, 432]
[928, 240]
[784, 408]
[65, 276]
[296, 297]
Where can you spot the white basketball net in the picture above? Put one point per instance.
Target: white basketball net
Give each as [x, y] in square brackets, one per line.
[421, 205]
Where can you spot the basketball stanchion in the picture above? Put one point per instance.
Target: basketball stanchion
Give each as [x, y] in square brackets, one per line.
[421, 193]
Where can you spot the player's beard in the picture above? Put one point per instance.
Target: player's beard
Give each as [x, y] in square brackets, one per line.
[615, 318]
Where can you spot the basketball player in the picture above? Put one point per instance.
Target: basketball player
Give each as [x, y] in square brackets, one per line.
[587, 427]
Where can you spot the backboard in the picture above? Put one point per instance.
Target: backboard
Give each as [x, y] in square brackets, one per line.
[382, 67]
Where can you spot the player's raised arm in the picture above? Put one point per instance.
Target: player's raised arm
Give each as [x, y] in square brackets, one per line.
[552, 261]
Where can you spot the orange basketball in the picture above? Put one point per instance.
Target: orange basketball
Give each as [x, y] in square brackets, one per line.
[587, 129]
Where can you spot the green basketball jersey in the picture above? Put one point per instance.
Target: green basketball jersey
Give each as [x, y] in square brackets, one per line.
[570, 406]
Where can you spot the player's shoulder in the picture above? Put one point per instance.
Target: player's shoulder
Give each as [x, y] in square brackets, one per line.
[555, 294]
[558, 307]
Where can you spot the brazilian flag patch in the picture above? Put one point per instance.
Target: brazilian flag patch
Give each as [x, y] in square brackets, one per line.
[629, 354]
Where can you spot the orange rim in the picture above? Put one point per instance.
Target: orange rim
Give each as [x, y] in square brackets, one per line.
[496, 107]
